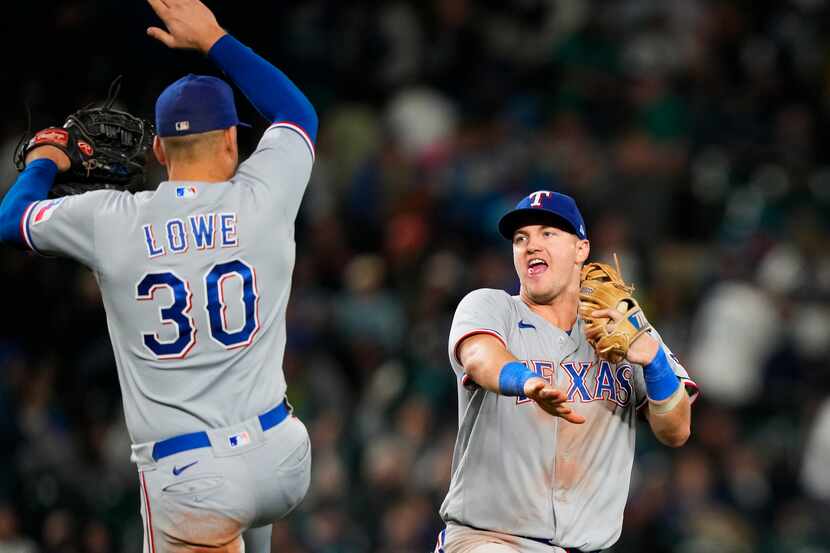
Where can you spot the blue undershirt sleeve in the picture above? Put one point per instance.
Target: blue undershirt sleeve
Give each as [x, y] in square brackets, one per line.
[32, 185]
[266, 87]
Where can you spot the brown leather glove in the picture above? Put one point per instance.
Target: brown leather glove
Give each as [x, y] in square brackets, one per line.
[602, 287]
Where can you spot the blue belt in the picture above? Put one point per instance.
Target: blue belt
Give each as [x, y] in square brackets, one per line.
[195, 440]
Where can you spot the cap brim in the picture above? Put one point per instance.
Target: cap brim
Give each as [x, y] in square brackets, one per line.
[246, 125]
[518, 218]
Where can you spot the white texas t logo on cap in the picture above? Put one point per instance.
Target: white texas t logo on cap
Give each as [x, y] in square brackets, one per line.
[537, 197]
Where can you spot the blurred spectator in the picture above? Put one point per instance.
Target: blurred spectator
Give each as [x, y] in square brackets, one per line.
[11, 541]
[735, 332]
[814, 474]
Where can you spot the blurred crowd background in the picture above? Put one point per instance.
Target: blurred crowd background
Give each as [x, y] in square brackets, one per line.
[689, 131]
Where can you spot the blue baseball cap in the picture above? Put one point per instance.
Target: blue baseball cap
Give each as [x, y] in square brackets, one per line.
[195, 104]
[544, 207]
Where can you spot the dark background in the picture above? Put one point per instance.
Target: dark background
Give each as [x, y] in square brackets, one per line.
[690, 132]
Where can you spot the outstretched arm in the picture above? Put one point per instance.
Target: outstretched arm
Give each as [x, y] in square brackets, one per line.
[494, 368]
[33, 184]
[191, 25]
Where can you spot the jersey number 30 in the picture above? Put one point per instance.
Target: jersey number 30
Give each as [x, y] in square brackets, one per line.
[178, 313]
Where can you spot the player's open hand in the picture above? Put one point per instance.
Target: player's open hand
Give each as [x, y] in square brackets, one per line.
[190, 25]
[551, 399]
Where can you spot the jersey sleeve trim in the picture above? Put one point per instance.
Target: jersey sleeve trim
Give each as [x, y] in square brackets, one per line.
[473, 333]
[25, 231]
[691, 389]
[299, 130]
[468, 382]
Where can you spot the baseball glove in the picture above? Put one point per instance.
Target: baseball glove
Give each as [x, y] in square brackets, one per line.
[602, 287]
[107, 149]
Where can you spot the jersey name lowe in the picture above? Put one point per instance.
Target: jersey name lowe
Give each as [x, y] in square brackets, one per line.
[199, 230]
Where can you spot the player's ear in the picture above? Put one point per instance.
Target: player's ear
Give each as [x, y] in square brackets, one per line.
[229, 141]
[231, 146]
[158, 150]
[230, 138]
[583, 248]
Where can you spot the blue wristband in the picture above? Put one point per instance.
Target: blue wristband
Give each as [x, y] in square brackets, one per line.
[661, 382]
[512, 378]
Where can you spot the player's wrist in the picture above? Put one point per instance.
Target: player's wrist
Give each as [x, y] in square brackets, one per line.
[513, 377]
[661, 382]
[210, 39]
[643, 350]
[51, 153]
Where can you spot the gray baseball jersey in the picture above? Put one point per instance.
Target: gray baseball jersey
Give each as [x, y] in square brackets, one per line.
[517, 469]
[195, 279]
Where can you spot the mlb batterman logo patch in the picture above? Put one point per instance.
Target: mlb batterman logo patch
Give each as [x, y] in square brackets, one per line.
[182, 125]
[185, 192]
[238, 440]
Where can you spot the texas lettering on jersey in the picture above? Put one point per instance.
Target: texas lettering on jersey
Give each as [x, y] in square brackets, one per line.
[608, 382]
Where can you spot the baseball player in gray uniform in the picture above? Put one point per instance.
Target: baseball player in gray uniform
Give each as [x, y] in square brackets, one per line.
[195, 278]
[545, 442]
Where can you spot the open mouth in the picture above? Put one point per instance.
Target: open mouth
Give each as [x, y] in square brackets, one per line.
[536, 266]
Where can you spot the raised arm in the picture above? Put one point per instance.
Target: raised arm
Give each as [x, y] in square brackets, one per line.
[191, 25]
[266, 87]
[494, 368]
[33, 184]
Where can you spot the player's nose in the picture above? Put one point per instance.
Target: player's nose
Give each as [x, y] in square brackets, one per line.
[532, 244]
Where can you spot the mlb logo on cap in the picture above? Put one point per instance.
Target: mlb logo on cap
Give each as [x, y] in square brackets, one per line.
[195, 104]
[544, 207]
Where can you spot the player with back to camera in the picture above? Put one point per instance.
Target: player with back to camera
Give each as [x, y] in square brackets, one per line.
[195, 278]
[545, 444]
